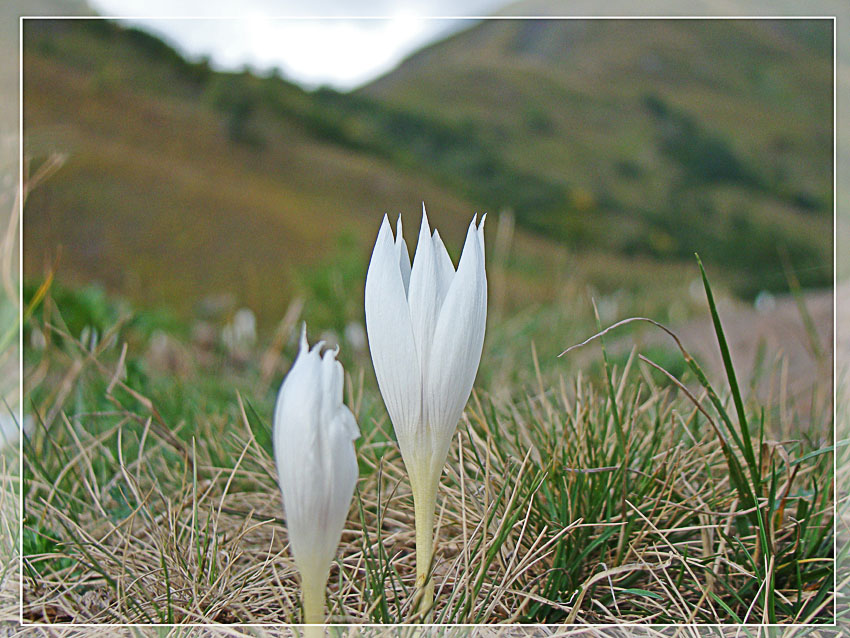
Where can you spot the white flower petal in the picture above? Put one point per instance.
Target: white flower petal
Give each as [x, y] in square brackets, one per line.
[331, 388]
[458, 341]
[298, 406]
[424, 294]
[481, 234]
[333, 378]
[403, 256]
[390, 333]
[317, 466]
[445, 268]
[343, 432]
[348, 423]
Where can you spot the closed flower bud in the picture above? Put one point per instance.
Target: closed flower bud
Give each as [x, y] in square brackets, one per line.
[316, 464]
[425, 325]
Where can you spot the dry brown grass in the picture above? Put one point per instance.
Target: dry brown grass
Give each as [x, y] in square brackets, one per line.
[138, 511]
[179, 522]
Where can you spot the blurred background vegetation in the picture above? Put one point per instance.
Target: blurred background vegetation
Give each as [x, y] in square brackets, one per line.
[618, 147]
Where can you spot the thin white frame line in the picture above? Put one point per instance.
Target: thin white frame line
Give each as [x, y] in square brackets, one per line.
[834, 21]
[21, 319]
[300, 18]
[573, 627]
[835, 495]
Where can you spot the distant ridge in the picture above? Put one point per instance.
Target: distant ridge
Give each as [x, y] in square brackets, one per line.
[625, 150]
[655, 137]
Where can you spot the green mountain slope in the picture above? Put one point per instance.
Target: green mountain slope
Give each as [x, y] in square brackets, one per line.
[181, 183]
[10, 12]
[656, 137]
[620, 151]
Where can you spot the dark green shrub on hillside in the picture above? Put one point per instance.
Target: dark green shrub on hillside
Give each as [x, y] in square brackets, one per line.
[234, 95]
[538, 121]
[807, 201]
[704, 155]
[151, 48]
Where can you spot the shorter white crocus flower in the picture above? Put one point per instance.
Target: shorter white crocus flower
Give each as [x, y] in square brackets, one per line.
[317, 467]
[426, 331]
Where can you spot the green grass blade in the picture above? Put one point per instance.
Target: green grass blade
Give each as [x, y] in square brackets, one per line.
[730, 372]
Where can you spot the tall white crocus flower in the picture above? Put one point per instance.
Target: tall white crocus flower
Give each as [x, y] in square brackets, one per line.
[317, 466]
[426, 329]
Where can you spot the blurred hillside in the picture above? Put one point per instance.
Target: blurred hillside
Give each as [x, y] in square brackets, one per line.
[182, 183]
[9, 72]
[654, 137]
[620, 151]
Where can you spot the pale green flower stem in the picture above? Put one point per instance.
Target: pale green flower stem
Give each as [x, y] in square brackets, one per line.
[313, 593]
[424, 504]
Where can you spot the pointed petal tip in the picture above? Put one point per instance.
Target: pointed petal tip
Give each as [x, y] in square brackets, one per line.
[303, 345]
[385, 232]
[481, 232]
[425, 227]
[330, 354]
[398, 235]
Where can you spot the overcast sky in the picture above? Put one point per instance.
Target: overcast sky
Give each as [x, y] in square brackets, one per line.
[264, 34]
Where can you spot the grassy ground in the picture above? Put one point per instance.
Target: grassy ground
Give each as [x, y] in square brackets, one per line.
[597, 495]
